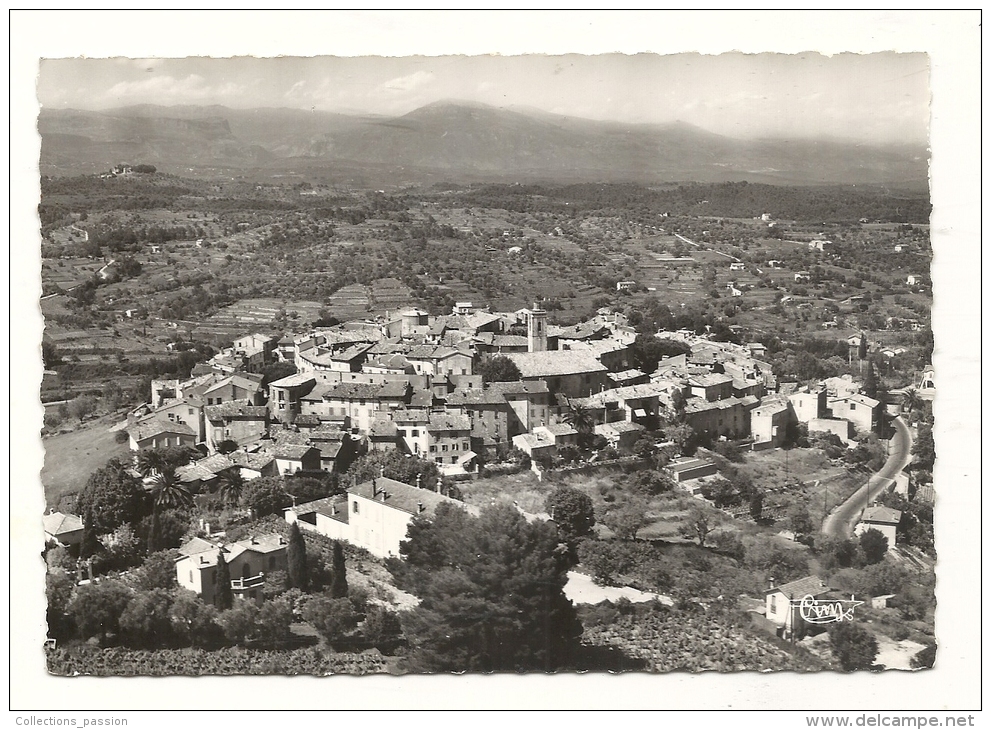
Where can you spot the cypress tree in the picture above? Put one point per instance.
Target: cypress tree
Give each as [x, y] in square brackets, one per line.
[339, 582]
[90, 544]
[224, 597]
[154, 533]
[296, 575]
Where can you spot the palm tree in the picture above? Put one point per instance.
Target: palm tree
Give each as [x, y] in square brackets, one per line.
[167, 491]
[150, 462]
[231, 485]
[911, 400]
[582, 420]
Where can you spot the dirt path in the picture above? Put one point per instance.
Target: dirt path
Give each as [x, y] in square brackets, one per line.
[581, 589]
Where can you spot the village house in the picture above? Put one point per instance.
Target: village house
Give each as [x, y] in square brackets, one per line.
[729, 417]
[62, 529]
[862, 411]
[448, 442]
[187, 411]
[360, 403]
[375, 515]
[561, 434]
[808, 403]
[240, 386]
[883, 519]
[781, 604]
[500, 411]
[712, 386]
[576, 374]
[292, 458]
[284, 395]
[248, 562]
[539, 446]
[620, 435]
[769, 423]
[237, 421]
[254, 465]
[155, 432]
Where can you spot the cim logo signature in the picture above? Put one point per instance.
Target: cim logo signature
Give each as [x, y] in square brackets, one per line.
[827, 611]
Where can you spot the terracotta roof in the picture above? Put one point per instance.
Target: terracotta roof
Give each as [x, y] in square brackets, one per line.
[290, 451]
[809, 586]
[255, 462]
[235, 409]
[155, 425]
[448, 422]
[293, 381]
[326, 507]
[383, 429]
[883, 515]
[400, 496]
[59, 523]
[204, 553]
[555, 362]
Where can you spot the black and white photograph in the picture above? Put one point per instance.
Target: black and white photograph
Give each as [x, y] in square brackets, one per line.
[499, 363]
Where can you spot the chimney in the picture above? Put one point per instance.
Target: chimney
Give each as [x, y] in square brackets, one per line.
[206, 529]
[770, 583]
[254, 540]
[202, 560]
[333, 508]
[382, 471]
[384, 495]
[374, 488]
[419, 479]
[419, 507]
[282, 540]
[439, 484]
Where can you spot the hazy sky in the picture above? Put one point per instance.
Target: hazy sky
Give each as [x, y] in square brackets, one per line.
[880, 97]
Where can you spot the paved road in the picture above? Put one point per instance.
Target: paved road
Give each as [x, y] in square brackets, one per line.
[841, 520]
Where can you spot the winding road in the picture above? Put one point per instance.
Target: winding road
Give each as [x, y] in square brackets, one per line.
[842, 519]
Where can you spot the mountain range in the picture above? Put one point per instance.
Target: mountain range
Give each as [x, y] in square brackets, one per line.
[453, 141]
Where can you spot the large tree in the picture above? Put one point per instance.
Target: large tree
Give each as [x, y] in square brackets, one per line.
[112, 497]
[498, 369]
[853, 646]
[491, 592]
[266, 496]
[647, 350]
[296, 573]
[874, 544]
[572, 511]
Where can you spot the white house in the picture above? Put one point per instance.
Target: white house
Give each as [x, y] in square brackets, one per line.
[781, 604]
[374, 515]
[248, 562]
[883, 519]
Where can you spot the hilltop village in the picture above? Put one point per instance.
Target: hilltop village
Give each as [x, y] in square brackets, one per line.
[463, 400]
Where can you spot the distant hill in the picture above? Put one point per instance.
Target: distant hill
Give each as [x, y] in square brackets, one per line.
[453, 140]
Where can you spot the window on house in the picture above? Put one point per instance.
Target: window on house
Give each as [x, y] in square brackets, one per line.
[433, 448]
[219, 401]
[209, 401]
[454, 460]
[444, 447]
[454, 447]
[190, 411]
[853, 406]
[355, 507]
[416, 432]
[774, 604]
[465, 446]
[190, 576]
[439, 459]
